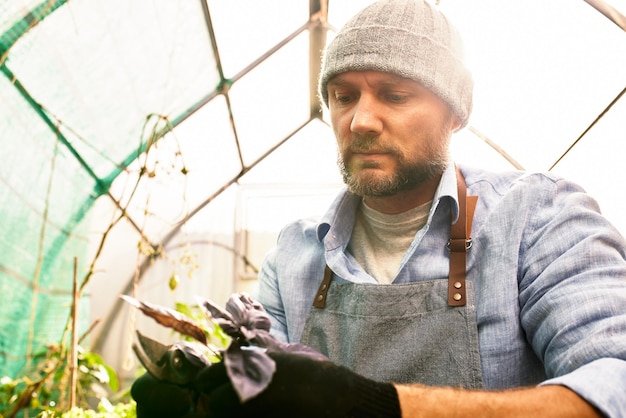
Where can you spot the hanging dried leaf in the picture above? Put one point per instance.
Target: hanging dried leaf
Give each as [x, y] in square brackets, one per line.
[169, 318]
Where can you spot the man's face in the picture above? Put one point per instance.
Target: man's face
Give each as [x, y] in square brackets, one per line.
[392, 133]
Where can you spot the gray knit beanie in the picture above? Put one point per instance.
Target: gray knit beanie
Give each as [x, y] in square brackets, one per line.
[410, 38]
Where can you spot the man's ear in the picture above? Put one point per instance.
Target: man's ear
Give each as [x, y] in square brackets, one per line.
[456, 123]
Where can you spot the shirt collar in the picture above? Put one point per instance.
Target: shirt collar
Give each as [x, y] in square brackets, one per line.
[344, 208]
[448, 189]
[345, 204]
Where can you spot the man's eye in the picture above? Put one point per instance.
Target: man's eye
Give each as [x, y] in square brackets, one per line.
[343, 98]
[395, 97]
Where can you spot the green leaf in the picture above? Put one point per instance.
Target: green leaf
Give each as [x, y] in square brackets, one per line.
[184, 309]
[113, 381]
[92, 358]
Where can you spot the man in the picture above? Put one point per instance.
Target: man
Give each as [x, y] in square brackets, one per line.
[522, 314]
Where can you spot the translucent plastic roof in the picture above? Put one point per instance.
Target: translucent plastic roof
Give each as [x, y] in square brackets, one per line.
[164, 111]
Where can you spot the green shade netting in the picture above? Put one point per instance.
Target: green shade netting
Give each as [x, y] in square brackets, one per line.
[78, 85]
[40, 234]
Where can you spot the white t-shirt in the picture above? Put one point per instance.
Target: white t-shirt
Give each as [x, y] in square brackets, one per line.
[379, 240]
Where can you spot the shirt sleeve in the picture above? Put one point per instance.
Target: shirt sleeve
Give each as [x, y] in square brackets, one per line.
[269, 297]
[573, 296]
[601, 375]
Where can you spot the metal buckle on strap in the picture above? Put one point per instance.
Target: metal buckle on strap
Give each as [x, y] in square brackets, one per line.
[457, 246]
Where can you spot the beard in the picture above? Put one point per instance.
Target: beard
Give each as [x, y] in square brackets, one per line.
[410, 172]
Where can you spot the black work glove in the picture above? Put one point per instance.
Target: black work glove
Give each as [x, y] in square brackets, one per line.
[158, 399]
[301, 387]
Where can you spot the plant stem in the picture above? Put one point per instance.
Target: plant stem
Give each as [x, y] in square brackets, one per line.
[74, 344]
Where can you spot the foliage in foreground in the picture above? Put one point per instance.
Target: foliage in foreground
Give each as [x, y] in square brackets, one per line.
[105, 410]
[43, 391]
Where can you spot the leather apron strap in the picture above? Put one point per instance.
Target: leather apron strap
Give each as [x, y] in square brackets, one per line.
[322, 291]
[459, 244]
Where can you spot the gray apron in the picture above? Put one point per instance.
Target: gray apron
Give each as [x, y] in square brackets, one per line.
[422, 332]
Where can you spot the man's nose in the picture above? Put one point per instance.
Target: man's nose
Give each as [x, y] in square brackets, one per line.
[365, 119]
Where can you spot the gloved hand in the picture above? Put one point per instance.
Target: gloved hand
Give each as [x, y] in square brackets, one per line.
[301, 387]
[158, 399]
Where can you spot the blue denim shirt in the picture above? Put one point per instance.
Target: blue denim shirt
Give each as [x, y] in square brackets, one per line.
[549, 272]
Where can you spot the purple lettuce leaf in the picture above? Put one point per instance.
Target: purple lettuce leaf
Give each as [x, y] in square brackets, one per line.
[250, 370]
[247, 362]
